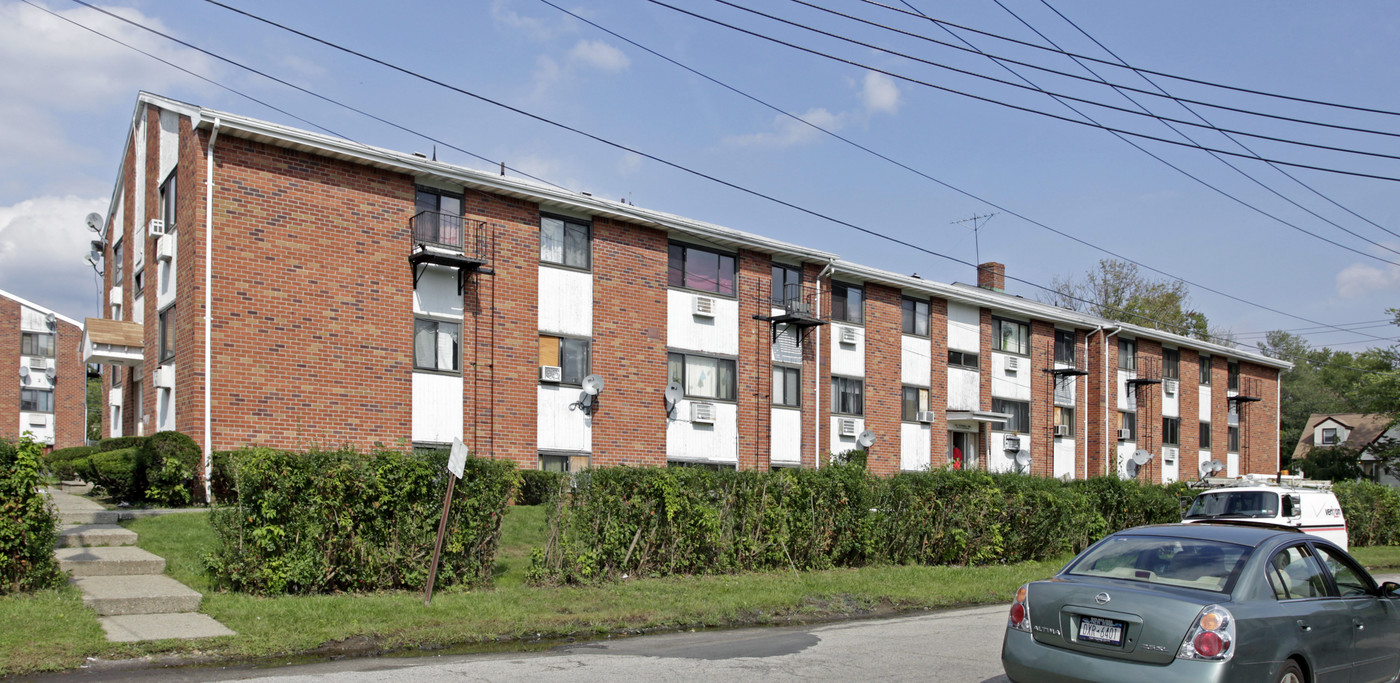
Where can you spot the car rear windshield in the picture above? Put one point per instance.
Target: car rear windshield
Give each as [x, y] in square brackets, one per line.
[1234, 505]
[1187, 562]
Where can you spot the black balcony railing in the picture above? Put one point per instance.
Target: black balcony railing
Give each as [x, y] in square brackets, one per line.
[450, 231]
[796, 301]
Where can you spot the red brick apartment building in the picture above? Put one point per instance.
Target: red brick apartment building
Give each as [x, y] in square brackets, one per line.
[47, 398]
[273, 286]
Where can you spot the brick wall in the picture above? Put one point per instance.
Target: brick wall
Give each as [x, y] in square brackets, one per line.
[190, 215]
[1149, 408]
[1259, 420]
[1189, 399]
[9, 357]
[984, 401]
[1083, 445]
[814, 419]
[883, 387]
[1041, 443]
[938, 381]
[1219, 410]
[755, 367]
[70, 392]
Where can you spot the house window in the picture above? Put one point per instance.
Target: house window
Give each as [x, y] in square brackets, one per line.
[117, 266]
[1020, 412]
[167, 202]
[962, 359]
[1064, 417]
[914, 401]
[703, 376]
[1127, 355]
[847, 396]
[1011, 336]
[1234, 445]
[1171, 364]
[915, 316]
[138, 282]
[554, 463]
[36, 344]
[1171, 431]
[1329, 436]
[1064, 347]
[572, 356]
[1205, 370]
[437, 345]
[787, 285]
[847, 303]
[1205, 436]
[36, 400]
[566, 242]
[787, 386]
[437, 216]
[1128, 421]
[1234, 367]
[702, 269]
[1232, 414]
[167, 334]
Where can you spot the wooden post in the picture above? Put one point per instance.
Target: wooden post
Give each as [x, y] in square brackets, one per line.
[442, 531]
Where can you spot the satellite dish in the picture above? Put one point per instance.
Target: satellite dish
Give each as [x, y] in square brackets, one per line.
[1131, 467]
[1206, 469]
[51, 372]
[1140, 457]
[94, 222]
[866, 439]
[24, 372]
[1023, 458]
[592, 384]
[674, 393]
[1217, 465]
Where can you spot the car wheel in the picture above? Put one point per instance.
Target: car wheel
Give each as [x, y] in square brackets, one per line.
[1290, 673]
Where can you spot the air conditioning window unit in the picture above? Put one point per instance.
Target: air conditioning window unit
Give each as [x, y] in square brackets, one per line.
[551, 373]
[925, 416]
[165, 249]
[164, 377]
[1013, 364]
[38, 364]
[1061, 430]
[157, 227]
[848, 426]
[704, 307]
[848, 335]
[1011, 443]
[38, 420]
[703, 413]
[1125, 434]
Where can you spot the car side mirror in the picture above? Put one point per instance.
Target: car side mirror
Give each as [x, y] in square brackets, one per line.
[1390, 589]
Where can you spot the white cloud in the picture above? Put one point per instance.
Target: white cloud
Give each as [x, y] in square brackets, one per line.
[583, 56]
[788, 133]
[1359, 280]
[43, 243]
[599, 55]
[535, 28]
[631, 163]
[880, 94]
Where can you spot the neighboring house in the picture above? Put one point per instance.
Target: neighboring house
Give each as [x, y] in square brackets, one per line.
[1360, 431]
[268, 285]
[47, 394]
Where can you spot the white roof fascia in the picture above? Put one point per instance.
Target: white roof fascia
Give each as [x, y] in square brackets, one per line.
[44, 309]
[986, 298]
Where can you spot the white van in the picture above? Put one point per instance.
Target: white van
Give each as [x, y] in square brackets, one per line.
[1265, 499]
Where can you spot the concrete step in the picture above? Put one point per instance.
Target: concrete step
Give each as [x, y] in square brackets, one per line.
[144, 594]
[123, 560]
[99, 516]
[93, 535]
[185, 625]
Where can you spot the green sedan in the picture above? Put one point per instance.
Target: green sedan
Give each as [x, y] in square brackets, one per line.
[1206, 602]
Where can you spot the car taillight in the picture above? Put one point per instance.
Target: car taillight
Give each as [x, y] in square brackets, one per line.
[1212, 636]
[1020, 612]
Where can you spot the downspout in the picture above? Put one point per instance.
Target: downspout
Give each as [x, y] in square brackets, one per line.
[209, 307]
[1103, 353]
[817, 376]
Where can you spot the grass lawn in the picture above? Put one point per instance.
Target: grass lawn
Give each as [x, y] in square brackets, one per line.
[52, 630]
[1383, 559]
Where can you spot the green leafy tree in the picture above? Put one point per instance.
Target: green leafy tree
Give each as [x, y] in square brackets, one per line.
[1117, 290]
[1335, 463]
[94, 409]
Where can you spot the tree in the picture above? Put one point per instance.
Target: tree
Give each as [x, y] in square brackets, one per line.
[1336, 463]
[94, 409]
[1118, 291]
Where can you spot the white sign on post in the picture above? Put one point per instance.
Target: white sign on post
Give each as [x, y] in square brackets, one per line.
[458, 459]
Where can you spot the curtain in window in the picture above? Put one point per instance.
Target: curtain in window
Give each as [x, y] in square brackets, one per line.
[447, 346]
[724, 388]
[575, 245]
[576, 360]
[424, 342]
[701, 376]
[551, 240]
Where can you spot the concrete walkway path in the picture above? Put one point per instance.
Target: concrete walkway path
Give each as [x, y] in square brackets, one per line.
[125, 585]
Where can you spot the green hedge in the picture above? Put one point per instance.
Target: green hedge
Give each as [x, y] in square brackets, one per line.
[28, 526]
[60, 461]
[118, 443]
[1372, 512]
[537, 486]
[665, 521]
[160, 469]
[326, 521]
[171, 464]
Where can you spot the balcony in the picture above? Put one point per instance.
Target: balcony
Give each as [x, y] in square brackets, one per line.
[113, 342]
[450, 240]
[795, 306]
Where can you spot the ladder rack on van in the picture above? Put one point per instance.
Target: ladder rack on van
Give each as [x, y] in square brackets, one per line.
[1289, 481]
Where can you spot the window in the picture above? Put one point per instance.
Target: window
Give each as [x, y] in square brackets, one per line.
[1234, 368]
[573, 356]
[847, 396]
[1064, 347]
[117, 267]
[116, 375]
[915, 316]
[787, 285]
[167, 202]
[1011, 336]
[1171, 364]
[787, 386]
[1020, 412]
[703, 376]
[1171, 431]
[702, 269]
[1234, 445]
[554, 463]
[36, 344]
[438, 216]
[1127, 355]
[1329, 436]
[1128, 421]
[1294, 573]
[1205, 370]
[436, 345]
[847, 303]
[1205, 436]
[138, 282]
[1350, 581]
[566, 242]
[1164, 560]
[914, 401]
[962, 359]
[36, 400]
[167, 334]
[1232, 414]
[1064, 417]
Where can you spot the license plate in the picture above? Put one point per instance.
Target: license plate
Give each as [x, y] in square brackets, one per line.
[1098, 630]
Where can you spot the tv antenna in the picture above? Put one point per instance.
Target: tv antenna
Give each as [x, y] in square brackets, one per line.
[977, 222]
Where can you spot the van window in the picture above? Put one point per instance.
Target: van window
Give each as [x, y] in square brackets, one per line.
[1236, 504]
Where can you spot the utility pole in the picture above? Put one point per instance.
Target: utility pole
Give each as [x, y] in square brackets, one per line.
[976, 245]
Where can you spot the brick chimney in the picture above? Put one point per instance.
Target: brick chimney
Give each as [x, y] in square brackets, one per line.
[992, 275]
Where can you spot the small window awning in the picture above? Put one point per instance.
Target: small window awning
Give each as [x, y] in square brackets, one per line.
[114, 342]
[971, 416]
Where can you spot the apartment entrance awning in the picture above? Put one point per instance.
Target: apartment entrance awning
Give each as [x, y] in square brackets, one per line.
[967, 420]
[113, 342]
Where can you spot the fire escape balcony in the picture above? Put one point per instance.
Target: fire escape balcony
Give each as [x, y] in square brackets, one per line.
[796, 307]
[444, 239]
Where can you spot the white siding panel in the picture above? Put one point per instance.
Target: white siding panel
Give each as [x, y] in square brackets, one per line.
[1202, 457]
[169, 146]
[964, 327]
[557, 427]
[1125, 452]
[964, 390]
[165, 274]
[1232, 465]
[1171, 466]
[786, 442]
[1203, 404]
[914, 446]
[915, 360]
[138, 309]
[436, 293]
[138, 208]
[841, 444]
[33, 320]
[1013, 384]
[41, 434]
[685, 330]
[1063, 465]
[437, 407]
[1171, 403]
[566, 301]
[697, 442]
[1125, 402]
[847, 360]
[1002, 460]
[786, 350]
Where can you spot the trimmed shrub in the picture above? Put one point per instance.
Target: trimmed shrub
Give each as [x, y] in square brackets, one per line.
[60, 461]
[326, 521]
[538, 487]
[118, 443]
[114, 471]
[28, 526]
[170, 461]
[1372, 512]
[221, 476]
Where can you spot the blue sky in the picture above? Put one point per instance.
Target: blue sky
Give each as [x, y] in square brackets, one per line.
[66, 98]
